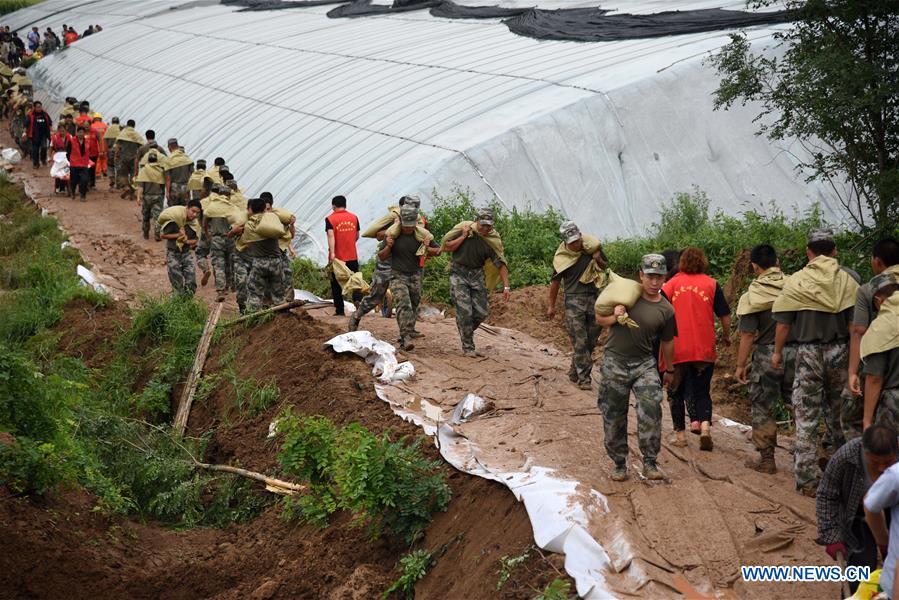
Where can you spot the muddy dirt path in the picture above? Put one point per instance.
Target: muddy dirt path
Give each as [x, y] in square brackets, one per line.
[712, 516]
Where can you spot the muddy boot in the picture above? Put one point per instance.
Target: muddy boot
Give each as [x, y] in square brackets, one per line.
[765, 462]
[809, 490]
[705, 437]
[619, 473]
[353, 323]
[680, 439]
[157, 237]
[416, 334]
[652, 471]
[146, 234]
[585, 385]
[206, 273]
[406, 344]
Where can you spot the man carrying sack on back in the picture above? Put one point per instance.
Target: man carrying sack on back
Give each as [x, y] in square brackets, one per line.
[880, 354]
[477, 264]
[181, 230]
[816, 307]
[579, 264]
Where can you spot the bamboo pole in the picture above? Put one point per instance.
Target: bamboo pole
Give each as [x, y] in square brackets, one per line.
[275, 485]
[187, 395]
[278, 308]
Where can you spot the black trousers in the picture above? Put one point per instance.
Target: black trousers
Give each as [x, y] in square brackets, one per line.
[92, 173]
[863, 549]
[38, 151]
[78, 176]
[337, 292]
[694, 391]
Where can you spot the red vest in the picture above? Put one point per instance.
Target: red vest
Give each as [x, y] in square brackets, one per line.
[693, 298]
[345, 226]
[77, 158]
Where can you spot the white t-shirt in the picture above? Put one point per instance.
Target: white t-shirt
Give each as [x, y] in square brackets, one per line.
[884, 494]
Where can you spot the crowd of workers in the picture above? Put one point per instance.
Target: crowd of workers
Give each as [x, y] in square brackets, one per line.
[13, 49]
[819, 339]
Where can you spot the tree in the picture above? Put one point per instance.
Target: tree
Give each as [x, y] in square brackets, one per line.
[835, 88]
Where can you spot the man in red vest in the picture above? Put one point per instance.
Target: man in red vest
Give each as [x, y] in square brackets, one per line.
[342, 228]
[78, 151]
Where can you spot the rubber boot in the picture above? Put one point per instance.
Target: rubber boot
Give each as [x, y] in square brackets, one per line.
[765, 463]
[705, 436]
[680, 439]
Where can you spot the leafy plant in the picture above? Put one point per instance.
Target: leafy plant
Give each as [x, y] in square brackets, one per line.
[833, 86]
[557, 589]
[310, 277]
[389, 486]
[413, 567]
[508, 564]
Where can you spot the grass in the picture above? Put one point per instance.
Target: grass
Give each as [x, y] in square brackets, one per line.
[103, 428]
[8, 6]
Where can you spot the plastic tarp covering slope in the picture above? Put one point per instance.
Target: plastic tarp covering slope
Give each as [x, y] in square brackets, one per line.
[309, 107]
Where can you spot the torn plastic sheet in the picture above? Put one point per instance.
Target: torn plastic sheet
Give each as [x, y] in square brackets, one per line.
[730, 423]
[554, 505]
[380, 355]
[311, 298]
[88, 278]
[470, 406]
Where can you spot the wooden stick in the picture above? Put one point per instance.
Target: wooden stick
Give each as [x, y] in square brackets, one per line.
[280, 486]
[187, 395]
[278, 308]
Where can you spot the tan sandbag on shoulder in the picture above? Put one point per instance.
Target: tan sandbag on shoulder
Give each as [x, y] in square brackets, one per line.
[564, 258]
[238, 200]
[883, 333]
[421, 235]
[619, 290]
[150, 173]
[112, 132]
[177, 159]
[491, 272]
[762, 292]
[195, 182]
[284, 215]
[217, 206]
[127, 134]
[349, 281]
[178, 215]
[822, 286]
[381, 223]
[269, 226]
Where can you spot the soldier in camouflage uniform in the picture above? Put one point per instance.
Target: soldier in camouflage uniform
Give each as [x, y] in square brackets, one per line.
[151, 200]
[467, 281]
[221, 247]
[765, 382]
[628, 365]
[125, 159]
[178, 169]
[178, 258]
[405, 274]
[881, 362]
[264, 279]
[822, 360]
[580, 298]
[285, 294]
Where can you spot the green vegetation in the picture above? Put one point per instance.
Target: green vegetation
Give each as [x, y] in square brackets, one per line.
[8, 6]
[390, 487]
[831, 83]
[310, 277]
[557, 589]
[66, 423]
[507, 564]
[412, 567]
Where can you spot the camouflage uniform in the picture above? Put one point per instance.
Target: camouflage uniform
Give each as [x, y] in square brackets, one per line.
[286, 278]
[469, 292]
[203, 253]
[380, 281]
[619, 376]
[887, 411]
[821, 374]
[765, 385]
[124, 165]
[264, 281]
[406, 291]
[178, 194]
[583, 331]
[852, 409]
[221, 249]
[242, 266]
[150, 207]
[180, 266]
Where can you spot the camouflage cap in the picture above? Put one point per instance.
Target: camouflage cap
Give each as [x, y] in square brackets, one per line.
[152, 158]
[408, 216]
[882, 281]
[410, 201]
[201, 164]
[654, 264]
[820, 235]
[569, 232]
[485, 216]
[172, 142]
[220, 188]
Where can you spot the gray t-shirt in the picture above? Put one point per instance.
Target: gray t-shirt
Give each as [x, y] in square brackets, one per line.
[571, 276]
[883, 495]
[656, 321]
[816, 327]
[403, 257]
[864, 306]
[885, 364]
[760, 323]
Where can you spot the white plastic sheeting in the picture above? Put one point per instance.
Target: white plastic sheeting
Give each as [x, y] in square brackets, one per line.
[308, 107]
[555, 507]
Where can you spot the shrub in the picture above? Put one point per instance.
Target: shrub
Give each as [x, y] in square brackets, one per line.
[413, 567]
[310, 277]
[390, 487]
